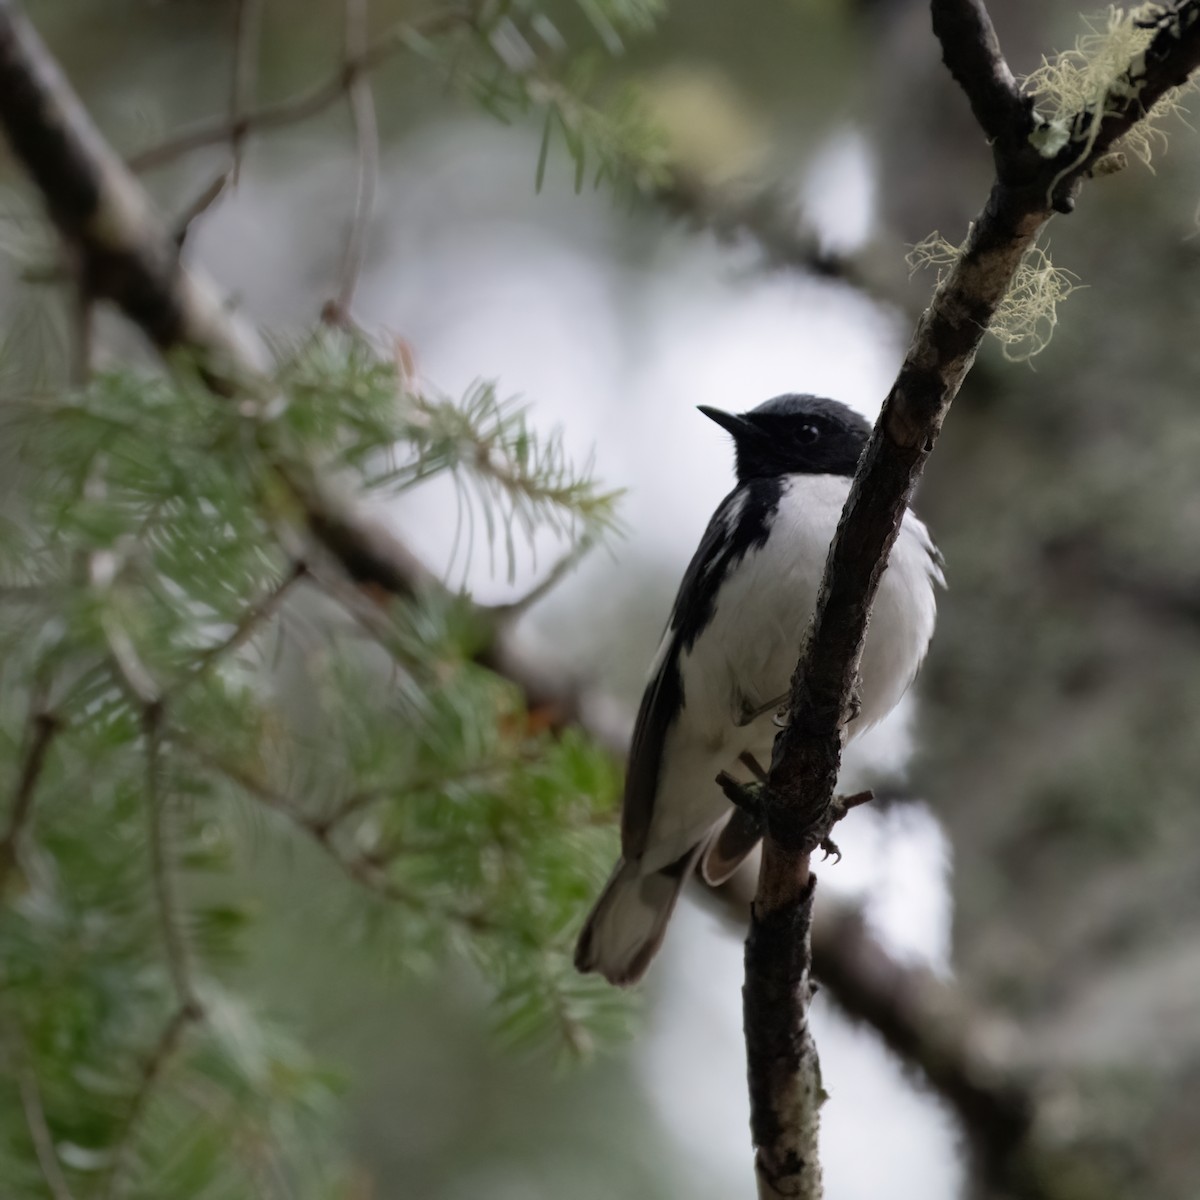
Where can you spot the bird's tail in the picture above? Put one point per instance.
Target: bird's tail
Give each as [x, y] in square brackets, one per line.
[626, 925]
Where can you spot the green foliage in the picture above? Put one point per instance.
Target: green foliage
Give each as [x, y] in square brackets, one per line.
[180, 691]
[355, 410]
[518, 62]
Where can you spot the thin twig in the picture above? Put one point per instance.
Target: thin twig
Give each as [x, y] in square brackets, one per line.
[247, 23]
[163, 1051]
[366, 139]
[257, 615]
[433, 781]
[307, 103]
[557, 573]
[212, 192]
[360, 868]
[39, 1130]
[41, 726]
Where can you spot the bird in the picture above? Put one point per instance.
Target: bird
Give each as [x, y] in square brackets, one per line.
[718, 685]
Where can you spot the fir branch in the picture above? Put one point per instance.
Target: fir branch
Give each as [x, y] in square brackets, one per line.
[466, 773]
[528, 478]
[612, 136]
[357, 867]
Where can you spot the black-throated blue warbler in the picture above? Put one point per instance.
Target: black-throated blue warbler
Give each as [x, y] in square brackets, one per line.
[723, 669]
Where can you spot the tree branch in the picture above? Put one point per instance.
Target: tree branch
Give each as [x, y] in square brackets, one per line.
[764, 216]
[971, 51]
[798, 800]
[363, 870]
[1167, 63]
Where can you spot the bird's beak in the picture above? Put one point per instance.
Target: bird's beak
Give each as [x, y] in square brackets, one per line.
[736, 425]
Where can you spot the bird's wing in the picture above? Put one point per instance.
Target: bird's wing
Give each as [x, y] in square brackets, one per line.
[738, 524]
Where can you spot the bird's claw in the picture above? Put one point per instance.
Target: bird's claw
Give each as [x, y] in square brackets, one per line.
[830, 847]
[854, 701]
[746, 796]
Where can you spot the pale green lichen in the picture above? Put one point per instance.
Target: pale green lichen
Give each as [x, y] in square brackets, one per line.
[1098, 77]
[1025, 319]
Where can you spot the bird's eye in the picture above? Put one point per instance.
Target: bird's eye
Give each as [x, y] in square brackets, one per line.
[808, 434]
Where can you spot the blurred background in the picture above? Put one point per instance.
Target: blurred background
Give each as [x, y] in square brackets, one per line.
[1035, 848]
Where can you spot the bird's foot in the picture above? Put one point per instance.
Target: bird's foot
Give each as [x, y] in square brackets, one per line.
[746, 796]
[837, 810]
[854, 701]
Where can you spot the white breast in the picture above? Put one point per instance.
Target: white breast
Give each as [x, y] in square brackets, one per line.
[750, 648]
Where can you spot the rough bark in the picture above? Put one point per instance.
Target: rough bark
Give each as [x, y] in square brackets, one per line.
[798, 801]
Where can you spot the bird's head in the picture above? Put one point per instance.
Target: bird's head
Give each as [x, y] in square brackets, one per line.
[795, 435]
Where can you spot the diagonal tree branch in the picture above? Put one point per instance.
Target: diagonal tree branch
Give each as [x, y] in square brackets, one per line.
[1167, 63]
[798, 799]
[926, 1023]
